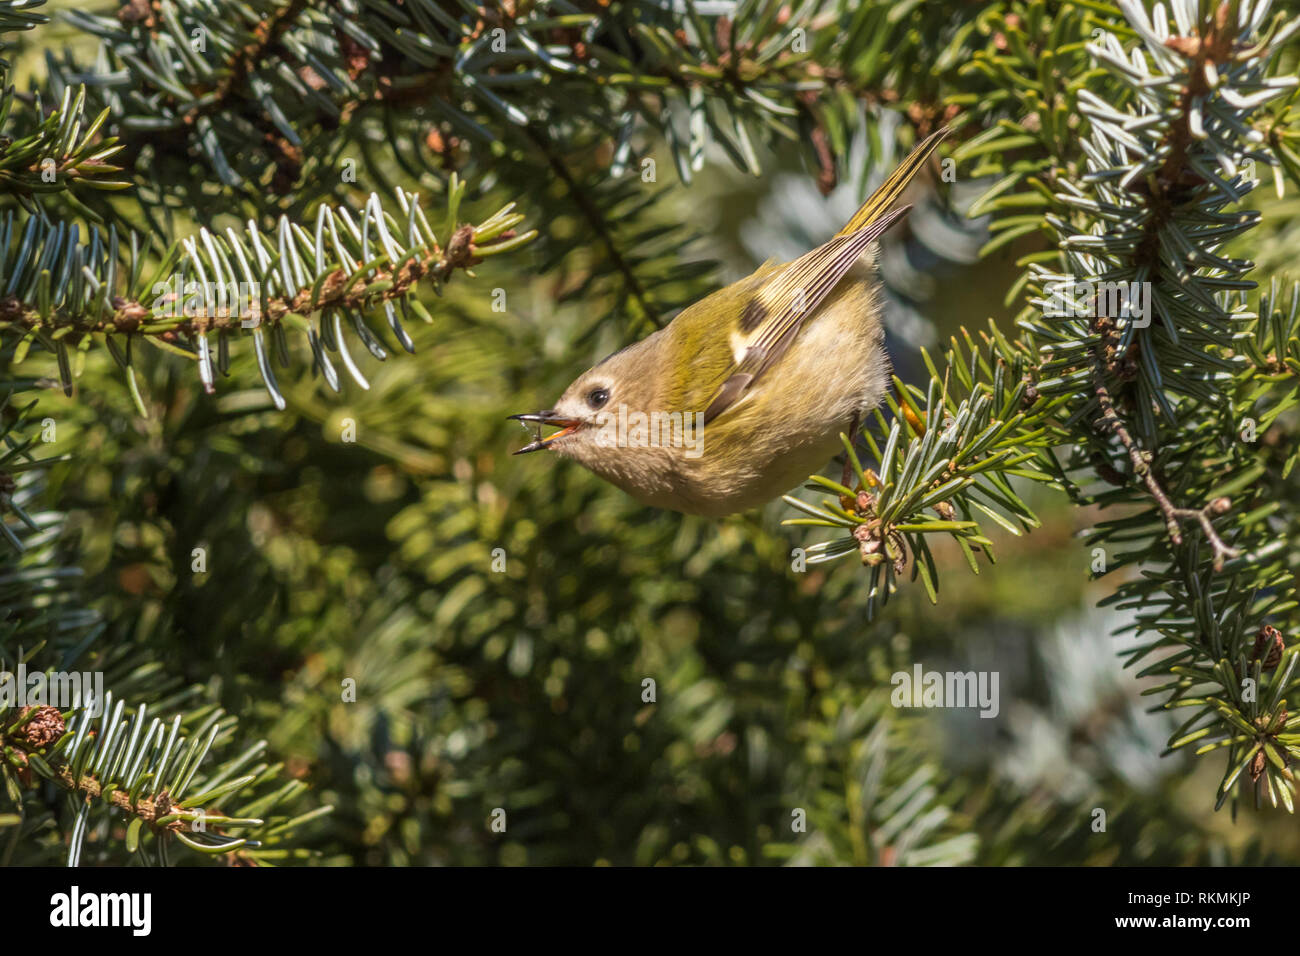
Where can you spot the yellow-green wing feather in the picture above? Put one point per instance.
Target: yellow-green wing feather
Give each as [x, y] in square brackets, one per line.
[771, 319]
[892, 188]
[775, 313]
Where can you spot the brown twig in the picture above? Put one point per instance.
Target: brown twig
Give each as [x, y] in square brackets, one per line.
[130, 316]
[1173, 515]
[266, 38]
[35, 730]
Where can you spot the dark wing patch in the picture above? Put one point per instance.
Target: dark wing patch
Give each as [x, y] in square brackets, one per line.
[755, 312]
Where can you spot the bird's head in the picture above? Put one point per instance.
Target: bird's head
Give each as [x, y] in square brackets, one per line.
[591, 404]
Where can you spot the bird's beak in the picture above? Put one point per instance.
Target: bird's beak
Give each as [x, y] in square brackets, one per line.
[567, 427]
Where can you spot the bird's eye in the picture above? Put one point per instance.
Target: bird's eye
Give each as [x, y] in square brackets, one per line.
[597, 397]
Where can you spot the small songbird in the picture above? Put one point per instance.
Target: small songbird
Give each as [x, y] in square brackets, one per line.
[745, 393]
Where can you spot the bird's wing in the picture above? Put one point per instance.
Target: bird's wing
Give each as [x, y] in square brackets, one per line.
[774, 314]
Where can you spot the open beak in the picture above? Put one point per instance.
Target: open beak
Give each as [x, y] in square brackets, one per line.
[567, 427]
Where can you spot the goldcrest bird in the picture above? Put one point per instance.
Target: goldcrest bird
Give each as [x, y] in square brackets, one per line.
[745, 393]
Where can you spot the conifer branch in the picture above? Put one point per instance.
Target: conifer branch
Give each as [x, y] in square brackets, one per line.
[222, 284]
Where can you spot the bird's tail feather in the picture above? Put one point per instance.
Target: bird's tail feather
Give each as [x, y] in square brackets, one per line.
[893, 187]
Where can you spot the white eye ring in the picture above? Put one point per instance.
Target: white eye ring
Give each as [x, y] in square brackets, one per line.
[597, 397]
